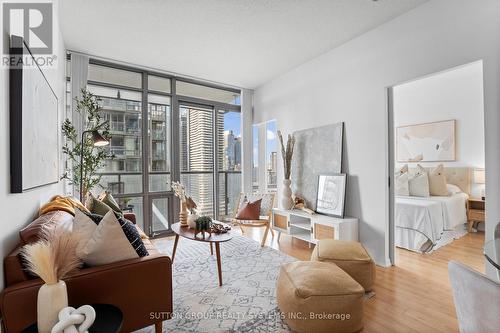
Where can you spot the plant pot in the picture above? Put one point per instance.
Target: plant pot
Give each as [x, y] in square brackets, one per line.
[286, 195]
[51, 299]
[192, 220]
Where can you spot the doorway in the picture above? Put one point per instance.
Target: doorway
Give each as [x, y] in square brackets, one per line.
[436, 128]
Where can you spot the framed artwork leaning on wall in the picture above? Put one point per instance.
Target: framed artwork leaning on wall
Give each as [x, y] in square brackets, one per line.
[331, 194]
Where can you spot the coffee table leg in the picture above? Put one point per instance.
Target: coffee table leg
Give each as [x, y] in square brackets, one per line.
[211, 249]
[219, 264]
[175, 247]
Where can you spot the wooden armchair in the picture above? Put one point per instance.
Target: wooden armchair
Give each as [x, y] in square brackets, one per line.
[266, 213]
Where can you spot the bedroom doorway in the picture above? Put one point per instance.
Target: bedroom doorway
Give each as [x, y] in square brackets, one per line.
[436, 163]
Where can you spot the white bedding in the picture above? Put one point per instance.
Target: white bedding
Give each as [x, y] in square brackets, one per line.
[420, 221]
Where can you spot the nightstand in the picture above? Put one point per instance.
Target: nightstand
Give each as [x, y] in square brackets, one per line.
[475, 212]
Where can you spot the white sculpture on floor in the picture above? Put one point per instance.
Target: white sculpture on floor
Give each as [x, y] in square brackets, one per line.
[73, 320]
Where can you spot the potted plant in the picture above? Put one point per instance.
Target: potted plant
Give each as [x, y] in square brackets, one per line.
[93, 157]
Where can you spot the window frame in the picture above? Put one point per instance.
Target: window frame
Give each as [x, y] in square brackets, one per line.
[175, 100]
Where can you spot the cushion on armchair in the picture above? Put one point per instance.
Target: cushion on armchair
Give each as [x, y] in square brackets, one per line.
[249, 211]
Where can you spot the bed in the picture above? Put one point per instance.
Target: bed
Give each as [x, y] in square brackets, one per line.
[421, 221]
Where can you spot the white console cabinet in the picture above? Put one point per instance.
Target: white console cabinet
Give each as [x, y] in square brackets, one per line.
[313, 227]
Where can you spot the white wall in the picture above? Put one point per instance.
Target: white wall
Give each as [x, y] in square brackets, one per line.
[453, 94]
[350, 84]
[17, 210]
[457, 94]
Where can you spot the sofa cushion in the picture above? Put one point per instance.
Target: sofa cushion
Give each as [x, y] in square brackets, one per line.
[30, 233]
[113, 240]
[107, 198]
[96, 206]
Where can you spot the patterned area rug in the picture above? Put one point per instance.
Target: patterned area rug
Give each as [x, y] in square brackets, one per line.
[245, 303]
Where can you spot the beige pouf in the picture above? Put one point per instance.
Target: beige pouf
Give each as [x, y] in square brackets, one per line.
[352, 257]
[319, 297]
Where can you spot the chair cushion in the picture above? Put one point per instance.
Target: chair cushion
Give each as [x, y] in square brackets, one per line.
[350, 256]
[266, 205]
[250, 211]
[313, 288]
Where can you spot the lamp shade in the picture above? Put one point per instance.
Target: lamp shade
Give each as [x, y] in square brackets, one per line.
[98, 139]
[479, 176]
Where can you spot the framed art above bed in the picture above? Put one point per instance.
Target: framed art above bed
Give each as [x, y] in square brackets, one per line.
[429, 142]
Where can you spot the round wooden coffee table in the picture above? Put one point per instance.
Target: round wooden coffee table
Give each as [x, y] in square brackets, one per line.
[216, 239]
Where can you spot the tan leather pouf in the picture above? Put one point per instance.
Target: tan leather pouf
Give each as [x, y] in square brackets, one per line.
[352, 257]
[319, 297]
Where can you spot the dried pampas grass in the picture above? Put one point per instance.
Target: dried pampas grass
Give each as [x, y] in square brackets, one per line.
[53, 256]
[287, 153]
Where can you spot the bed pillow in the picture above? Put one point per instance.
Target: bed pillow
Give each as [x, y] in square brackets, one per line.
[113, 240]
[453, 189]
[437, 181]
[401, 181]
[419, 184]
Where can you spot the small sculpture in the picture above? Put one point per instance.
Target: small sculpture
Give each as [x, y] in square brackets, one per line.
[203, 224]
[73, 320]
[300, 203]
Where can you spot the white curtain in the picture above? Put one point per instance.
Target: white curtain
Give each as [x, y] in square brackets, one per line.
[78, 80]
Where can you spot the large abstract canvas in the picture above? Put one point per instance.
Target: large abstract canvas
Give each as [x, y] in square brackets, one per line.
[34, 130]
[317, 151]
[430, 142]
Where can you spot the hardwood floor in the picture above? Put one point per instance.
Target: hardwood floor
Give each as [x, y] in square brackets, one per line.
[413, 296]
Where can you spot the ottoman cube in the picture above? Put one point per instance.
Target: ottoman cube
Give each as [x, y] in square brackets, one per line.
[319, 297]
[352, 257]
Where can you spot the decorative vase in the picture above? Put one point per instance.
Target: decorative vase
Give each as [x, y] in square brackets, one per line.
[183, 214]
[191, 221]
[286, 195]
[51, 299]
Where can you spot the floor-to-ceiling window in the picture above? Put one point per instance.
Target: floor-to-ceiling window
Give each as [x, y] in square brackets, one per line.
[163, 129]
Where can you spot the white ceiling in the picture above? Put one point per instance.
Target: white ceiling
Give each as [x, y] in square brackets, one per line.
[243, 43]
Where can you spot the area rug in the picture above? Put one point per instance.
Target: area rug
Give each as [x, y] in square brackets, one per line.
[246, 302]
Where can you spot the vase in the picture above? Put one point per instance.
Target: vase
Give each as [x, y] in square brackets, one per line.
[286, 195]
[183, 214]
[51, 299]
[191, 221]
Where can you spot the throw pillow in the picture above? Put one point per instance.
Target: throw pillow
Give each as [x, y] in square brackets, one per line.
[401, 181]
[107, 198]
[113, 240]
[419, 185]
[437, 181]
[250, 211]
[96, 206]
[84, 226]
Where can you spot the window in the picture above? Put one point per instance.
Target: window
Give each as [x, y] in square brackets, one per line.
[265, 157]
[271, 156]
[203, 151]
[229, 154]
[255, 158]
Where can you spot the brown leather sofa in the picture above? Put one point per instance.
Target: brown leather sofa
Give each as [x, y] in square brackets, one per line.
[141, 288]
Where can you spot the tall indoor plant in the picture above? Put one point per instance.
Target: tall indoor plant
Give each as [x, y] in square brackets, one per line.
[287, 154]
[93, 157]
